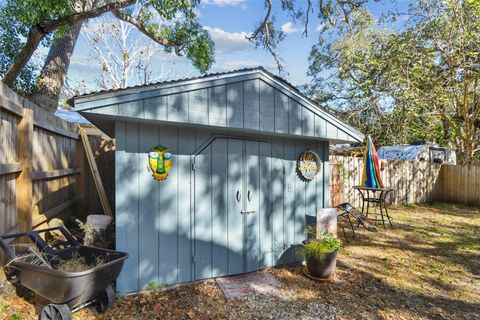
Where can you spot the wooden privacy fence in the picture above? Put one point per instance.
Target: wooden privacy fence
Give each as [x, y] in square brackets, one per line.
[43, 170]
[39, 165]
[413, 181]
[459, 184]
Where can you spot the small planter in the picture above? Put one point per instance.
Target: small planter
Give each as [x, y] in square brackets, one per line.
[321, 255]
[324, 268]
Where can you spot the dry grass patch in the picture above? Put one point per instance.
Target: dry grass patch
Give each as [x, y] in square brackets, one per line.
[427, 267]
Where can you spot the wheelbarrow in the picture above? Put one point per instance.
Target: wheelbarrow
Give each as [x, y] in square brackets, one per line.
[57, 293]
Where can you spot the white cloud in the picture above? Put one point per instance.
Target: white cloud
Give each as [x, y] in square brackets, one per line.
[227, 42]
[222, 3]
[320, 27]
[289, 28]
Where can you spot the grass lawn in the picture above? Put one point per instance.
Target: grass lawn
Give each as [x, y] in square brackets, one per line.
[427, 267]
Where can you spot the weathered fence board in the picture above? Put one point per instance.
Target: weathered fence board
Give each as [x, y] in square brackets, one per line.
[413, 182]
[42, 166]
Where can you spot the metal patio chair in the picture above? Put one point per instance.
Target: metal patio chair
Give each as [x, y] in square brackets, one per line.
[349, 214]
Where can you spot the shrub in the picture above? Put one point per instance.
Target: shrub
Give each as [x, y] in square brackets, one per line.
[317, 248]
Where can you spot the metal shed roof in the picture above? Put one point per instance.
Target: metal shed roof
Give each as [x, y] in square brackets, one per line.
[250, 99]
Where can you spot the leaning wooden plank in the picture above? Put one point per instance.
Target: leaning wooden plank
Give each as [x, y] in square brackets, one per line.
[40, 175]
[7, 168]
[96, 176]
[41, 218]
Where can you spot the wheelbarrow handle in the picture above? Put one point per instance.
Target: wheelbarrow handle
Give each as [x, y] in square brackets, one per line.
[34, 235]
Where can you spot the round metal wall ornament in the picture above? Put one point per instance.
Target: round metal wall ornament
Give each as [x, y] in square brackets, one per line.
[308, 165]
[159, 162]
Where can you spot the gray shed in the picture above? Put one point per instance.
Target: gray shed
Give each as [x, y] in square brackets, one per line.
[233, 201]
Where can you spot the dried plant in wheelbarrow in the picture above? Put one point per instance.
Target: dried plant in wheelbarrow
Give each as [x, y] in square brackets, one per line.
[64, 280]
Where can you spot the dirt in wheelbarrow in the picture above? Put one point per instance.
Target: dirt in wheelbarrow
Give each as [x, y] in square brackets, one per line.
[426, 267]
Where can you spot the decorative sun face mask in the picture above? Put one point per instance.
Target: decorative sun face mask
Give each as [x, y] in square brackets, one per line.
[160, 162]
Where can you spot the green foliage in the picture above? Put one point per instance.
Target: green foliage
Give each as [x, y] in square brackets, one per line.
[317, 248]
[16, 316]
[13, 31]
[185, 36]
[5, 306]
[419, 82]
[199, 47]
[154, 286]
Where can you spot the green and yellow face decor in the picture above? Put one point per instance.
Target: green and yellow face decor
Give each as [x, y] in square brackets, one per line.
[160, 162]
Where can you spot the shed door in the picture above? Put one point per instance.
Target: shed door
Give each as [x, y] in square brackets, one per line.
[232, 208]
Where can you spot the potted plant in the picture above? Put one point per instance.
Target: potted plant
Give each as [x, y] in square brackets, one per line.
[321, 255]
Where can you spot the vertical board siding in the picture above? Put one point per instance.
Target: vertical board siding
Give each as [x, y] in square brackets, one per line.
[186, 147]
[148, 208]
[203, 214]
[308, 122]
[131, 109]
[217, 113]
[289, 192]
[235, 105]
[300, 203]
[190, 226]
[198, 106]
[252, 202]
[281, 112]
[126, 281]
[219, 207]
[168, 211]
[234, 206]
[254, 104]
[155, 108]
[265, 213]
[331, 131]
[177, 107]
[294, 117]
[278, 199]
[267, 107]
[310, 189]
[320, 127]
[251, 104]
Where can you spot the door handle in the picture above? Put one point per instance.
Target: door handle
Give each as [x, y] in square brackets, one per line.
[249, 195]
[238, 196]
[247, 211]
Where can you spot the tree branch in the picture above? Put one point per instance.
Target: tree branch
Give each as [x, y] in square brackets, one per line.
[38, 32]
[143, 29]
[52, 25]
[263, 25]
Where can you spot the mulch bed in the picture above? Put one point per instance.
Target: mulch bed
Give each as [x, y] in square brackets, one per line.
[427, 267]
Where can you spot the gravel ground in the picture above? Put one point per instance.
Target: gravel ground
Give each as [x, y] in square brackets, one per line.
[427, 267]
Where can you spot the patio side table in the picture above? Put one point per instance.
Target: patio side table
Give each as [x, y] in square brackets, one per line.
[375, 196]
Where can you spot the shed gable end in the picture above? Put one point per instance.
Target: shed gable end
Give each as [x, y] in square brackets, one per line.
[255, 103]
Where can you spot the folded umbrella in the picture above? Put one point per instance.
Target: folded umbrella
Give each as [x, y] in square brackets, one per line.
[371, 169]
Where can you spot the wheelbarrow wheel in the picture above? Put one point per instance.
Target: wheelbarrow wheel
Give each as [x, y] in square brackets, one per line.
[105, 299]
[56, 312]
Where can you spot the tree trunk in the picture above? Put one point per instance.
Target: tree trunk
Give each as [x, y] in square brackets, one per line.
[52, 78]
[35, 36]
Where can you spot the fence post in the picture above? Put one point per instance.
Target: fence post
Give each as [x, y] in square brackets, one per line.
[24, 181]
[81, 183]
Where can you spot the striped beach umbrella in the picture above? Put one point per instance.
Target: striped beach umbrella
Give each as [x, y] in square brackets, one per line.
[371, 169]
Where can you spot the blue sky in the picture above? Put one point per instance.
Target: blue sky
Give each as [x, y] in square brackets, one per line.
[228, 22]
